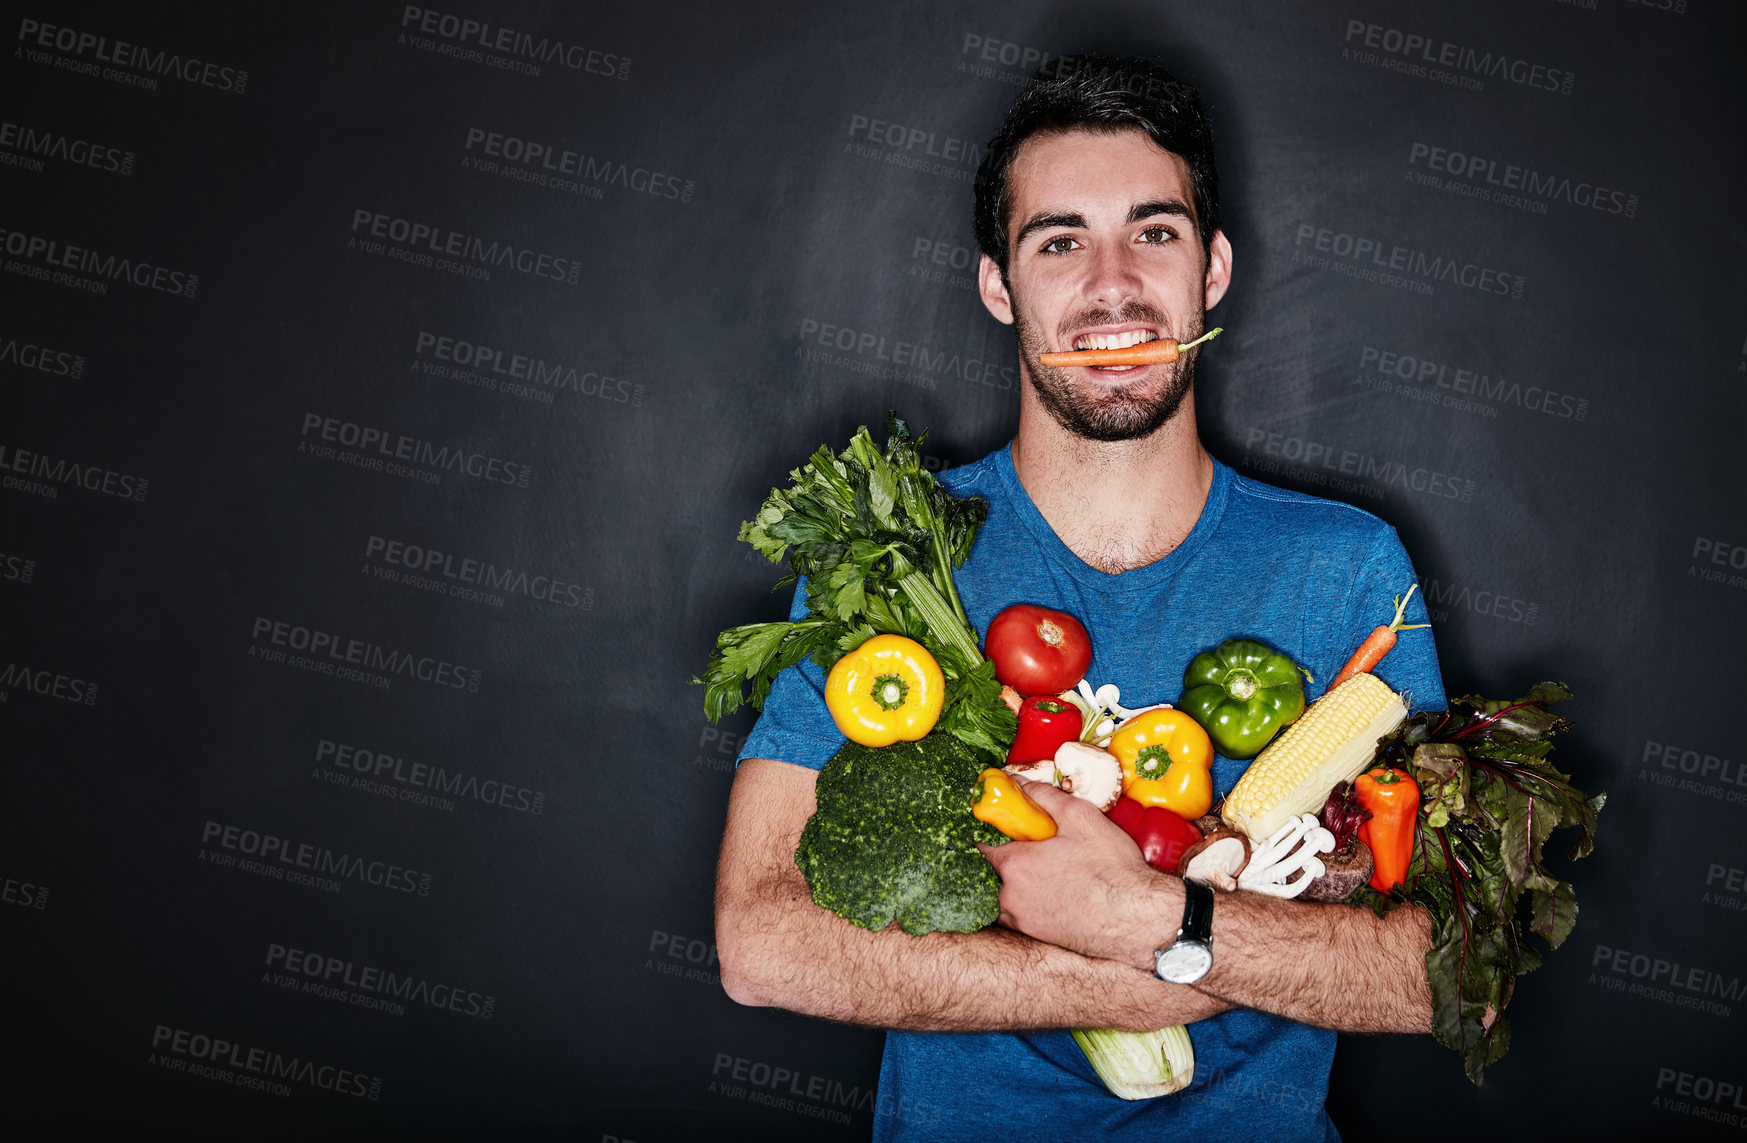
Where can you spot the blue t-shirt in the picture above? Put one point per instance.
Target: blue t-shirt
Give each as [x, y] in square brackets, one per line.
[1311, 577]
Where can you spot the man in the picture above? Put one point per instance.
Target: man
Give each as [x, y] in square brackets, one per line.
[1097, 217]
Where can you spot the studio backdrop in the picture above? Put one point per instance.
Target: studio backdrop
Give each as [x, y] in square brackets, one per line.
[382, 386]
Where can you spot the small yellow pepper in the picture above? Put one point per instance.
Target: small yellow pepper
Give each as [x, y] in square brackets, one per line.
[888, 690]
[1002, 804]
[1167, 761]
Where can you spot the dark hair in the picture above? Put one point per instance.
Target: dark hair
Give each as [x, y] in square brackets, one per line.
[1103, 94]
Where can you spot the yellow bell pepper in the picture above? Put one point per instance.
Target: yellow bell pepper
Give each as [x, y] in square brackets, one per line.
[1167, 761]
[1002, 804]
[888, 690]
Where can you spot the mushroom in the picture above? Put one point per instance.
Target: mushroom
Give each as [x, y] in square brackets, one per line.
[1292, 849]
[1089, 773]
[1102, 709]
[1217, 859]
[1042, 770]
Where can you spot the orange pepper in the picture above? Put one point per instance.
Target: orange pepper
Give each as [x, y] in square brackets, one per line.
[1167, 760]
[1002, 804]
[1392, 796]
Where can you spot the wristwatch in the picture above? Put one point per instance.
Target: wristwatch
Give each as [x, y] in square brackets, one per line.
[1188, 958]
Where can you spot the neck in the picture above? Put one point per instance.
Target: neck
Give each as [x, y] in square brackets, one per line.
[1115, 504]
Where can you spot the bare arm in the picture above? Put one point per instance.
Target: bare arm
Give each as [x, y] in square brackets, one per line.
[1333, 966]
[778, 948]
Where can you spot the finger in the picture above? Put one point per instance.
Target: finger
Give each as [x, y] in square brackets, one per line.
[1048, 795]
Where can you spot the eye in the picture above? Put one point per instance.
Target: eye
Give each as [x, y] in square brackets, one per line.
[1157, 235]
[1061, 244]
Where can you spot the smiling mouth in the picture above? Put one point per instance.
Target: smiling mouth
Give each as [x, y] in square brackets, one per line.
[1114, 340]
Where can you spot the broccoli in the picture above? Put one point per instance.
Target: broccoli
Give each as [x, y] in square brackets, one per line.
[894, 838]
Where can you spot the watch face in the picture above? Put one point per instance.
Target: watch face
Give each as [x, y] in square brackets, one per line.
[1185, 962]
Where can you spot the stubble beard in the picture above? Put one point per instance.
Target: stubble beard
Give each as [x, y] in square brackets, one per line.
[1119, 414]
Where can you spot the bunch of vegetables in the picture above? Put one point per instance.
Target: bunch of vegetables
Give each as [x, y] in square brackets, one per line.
[1447, 810]
[877, 539]
[1347, 799]
[1148, 769]
[1481, 799]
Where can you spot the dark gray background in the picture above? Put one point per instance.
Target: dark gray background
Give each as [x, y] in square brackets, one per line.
[1573, 549]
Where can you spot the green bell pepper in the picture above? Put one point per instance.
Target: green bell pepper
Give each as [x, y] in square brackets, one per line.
[1242, 692]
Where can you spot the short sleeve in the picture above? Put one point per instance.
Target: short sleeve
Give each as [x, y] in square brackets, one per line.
[795, 725]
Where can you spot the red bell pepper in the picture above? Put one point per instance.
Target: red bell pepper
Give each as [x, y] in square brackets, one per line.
[1163, 836]
[1044, 724]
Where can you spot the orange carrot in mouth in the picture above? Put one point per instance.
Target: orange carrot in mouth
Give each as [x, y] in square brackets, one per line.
[1159, 351]
[1378, 643]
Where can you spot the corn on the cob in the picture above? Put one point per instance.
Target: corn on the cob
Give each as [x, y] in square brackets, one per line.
[1332, 743]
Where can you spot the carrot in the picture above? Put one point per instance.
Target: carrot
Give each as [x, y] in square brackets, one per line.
[1378, 643]
[1160, 351]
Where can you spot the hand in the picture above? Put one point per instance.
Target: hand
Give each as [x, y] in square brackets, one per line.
[1087, 888]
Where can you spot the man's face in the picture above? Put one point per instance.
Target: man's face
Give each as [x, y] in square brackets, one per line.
[1103, 252]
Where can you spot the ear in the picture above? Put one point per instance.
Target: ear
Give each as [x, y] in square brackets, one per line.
[994, 291]
[1218, 268]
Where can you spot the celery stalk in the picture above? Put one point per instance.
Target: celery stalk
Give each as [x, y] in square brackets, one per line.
[1140, 1065]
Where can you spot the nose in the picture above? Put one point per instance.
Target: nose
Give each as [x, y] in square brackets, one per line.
[1112, 276]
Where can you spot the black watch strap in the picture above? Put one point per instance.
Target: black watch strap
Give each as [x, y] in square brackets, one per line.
[1197, 913]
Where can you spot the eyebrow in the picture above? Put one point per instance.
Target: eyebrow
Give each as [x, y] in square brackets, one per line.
[1140, 210]
[1161, 206]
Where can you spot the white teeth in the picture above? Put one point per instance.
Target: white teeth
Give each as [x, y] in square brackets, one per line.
[1114, 340]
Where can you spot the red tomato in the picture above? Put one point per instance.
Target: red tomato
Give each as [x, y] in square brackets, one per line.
[1037, 651]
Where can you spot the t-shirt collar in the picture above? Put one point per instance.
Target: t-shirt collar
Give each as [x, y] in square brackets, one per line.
[1148, 577]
